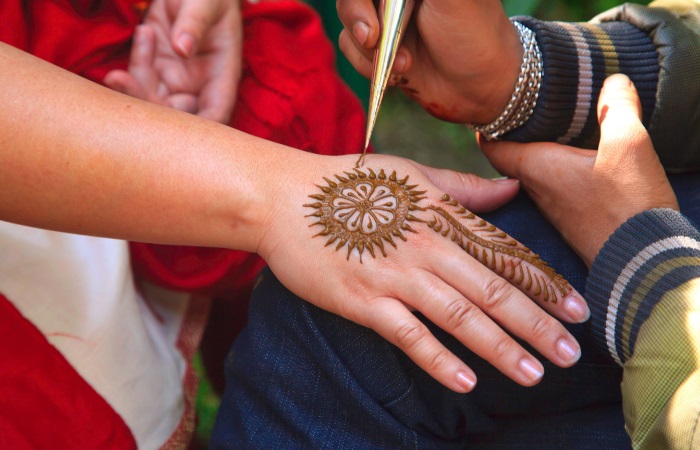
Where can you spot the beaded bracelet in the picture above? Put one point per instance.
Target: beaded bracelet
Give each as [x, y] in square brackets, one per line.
[527, 90]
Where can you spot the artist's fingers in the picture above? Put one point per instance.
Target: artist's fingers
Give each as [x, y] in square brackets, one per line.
[467, 322]
[395, 323]
[473, 192]
[360, 59]
[359, 17]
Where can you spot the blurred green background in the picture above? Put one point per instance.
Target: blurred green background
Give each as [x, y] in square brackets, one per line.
[404, 129]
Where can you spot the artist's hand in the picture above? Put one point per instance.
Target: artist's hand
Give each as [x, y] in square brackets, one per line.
[587, 195]
[186, 55]
[460, 59]
[398, 246]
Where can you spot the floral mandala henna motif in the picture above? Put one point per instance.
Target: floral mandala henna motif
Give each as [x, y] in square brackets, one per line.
[366, 210]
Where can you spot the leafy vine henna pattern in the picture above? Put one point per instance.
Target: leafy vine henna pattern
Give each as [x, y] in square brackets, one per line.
[364, 210]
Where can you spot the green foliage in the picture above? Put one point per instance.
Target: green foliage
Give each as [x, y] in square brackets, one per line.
[578, 10]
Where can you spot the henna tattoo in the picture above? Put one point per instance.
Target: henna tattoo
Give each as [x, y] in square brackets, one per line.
[364, 210]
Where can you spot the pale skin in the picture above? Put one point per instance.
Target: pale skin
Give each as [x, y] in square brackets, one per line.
[85, 159]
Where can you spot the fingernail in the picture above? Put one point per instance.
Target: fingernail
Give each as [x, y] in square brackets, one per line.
[618, 81]
[466, 381]
[185, 44]
[568, 350]
[360, 30]
[506, 180]
[532, 370]
[400, 63]
[577, 309]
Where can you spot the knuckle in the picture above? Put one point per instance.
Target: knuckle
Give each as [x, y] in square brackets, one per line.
[502, 347]
[438, 361]
[410, 334]
[459, 313]
[541, 326]
[495, 293]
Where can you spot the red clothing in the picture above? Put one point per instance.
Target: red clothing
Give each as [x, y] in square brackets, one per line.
[290, 93]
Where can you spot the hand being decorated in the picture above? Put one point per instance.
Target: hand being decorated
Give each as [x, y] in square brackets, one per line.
[393, 237]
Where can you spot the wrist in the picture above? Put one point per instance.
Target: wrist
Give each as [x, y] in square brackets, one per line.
[497, 86]
[525, 93]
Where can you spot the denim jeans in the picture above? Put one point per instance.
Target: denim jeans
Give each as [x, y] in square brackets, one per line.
[300, 377]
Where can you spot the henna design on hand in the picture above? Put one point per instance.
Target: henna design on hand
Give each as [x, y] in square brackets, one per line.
[366, 210]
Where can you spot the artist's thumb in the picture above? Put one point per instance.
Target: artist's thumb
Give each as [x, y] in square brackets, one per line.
[191, 24]
[619, 114]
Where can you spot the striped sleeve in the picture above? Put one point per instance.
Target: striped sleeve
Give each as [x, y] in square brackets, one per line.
[644, 294]
[577, 58]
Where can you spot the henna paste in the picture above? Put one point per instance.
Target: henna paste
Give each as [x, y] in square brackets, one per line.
[365, 210]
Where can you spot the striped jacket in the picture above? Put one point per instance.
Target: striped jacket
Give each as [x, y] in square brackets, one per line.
[644, 286]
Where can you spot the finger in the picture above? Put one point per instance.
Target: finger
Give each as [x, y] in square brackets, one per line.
[396, 324]
[217, 97]
[142, 61]
[619, 113]
[214, 105]
[192, 22]
[361, 60]
[516, 313]
[506, 157]
[463, 319]
[474, 192]
[183, 102]
[359, 17]
[122, 81]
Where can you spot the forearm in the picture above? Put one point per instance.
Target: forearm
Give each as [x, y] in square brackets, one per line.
[643, 293]
[80, 158]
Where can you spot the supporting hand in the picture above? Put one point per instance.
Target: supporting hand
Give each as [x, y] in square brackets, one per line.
[587, 195]
[460, 59]
[186, 55]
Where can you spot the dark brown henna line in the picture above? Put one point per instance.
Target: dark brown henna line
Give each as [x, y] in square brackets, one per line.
[365, 209]
[507, 249]
[373, 208]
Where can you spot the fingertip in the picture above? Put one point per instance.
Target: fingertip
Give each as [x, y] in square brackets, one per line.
[360, 32]
[466, 381]
[402, 61]
[618, 93]
[531, 371]
[184, 44]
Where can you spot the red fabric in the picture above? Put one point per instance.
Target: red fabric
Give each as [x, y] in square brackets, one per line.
[290, 94]
[44, 402]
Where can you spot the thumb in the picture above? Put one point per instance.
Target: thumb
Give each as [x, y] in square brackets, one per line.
[619, 115]
[471, 191]
[191, 24]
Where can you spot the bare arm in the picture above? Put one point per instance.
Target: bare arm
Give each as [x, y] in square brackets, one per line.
[166, 174]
